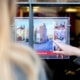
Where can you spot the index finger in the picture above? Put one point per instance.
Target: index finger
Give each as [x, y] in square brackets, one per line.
[57, 43]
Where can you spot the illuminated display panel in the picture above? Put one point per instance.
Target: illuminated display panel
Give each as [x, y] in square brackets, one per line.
[45, 30]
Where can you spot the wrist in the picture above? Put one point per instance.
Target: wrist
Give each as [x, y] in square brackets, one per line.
[76, 52]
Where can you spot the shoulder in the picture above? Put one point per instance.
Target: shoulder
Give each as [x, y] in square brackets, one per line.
[30, 56]
[20, 75]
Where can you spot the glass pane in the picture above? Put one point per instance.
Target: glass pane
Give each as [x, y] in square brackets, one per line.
[22, 11]
[44, 31]
[56, 0]
[43, 15]
[45, 11]
[23, 0]
[48, 12]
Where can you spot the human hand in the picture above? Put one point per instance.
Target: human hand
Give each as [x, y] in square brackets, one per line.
[66, 49]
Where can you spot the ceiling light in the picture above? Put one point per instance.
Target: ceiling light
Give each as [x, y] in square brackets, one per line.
[71, 10]
[35, 9]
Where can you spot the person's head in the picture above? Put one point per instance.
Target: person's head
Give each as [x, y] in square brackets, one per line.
[22, 56]
[8, 10]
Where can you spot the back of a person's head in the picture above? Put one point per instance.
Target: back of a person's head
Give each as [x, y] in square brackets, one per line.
[13, 53]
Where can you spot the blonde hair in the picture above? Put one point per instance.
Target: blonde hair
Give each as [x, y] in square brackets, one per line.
[11, 52]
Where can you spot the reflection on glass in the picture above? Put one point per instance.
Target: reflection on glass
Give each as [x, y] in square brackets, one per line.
[56, 0]
[22, 11]
[23, 0]
[45, 11]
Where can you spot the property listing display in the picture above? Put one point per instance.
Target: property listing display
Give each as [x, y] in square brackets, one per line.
[46, 29]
